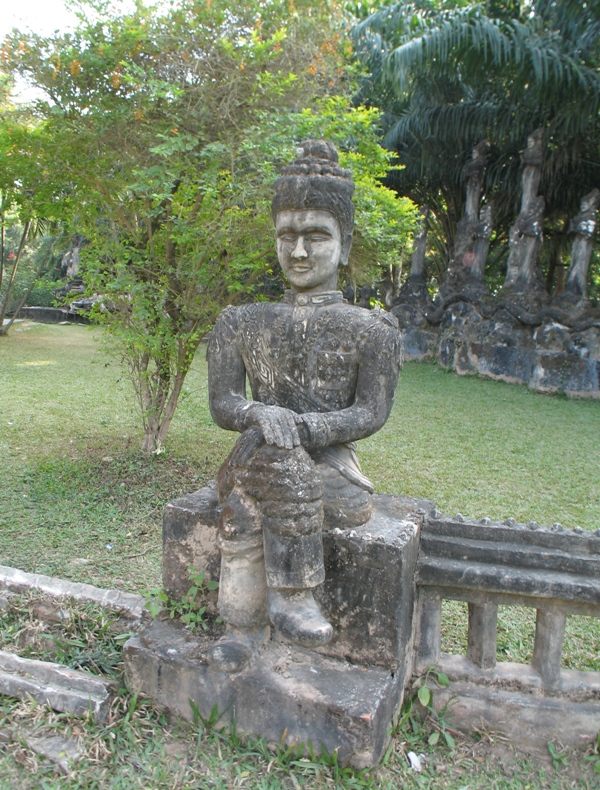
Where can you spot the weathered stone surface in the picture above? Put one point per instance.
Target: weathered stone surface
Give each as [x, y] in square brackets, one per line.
[419, 344]
[531, 565]
[322, 375]
[189, 539]
[289, 692]
[486, 564]
[569, 373]
[368, 589]
[548, 357]
[466, 266]
[511, 699]
[368, 592]
[525, 236]
[584, 227]
[63, 752]
[129, 604]
[63, 689]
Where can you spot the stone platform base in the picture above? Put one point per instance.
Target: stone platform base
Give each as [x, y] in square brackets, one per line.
[511, 699]
[342, 697]
[289, 694]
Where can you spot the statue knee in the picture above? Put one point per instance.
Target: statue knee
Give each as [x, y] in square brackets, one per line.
[345, 505]
[282, 476]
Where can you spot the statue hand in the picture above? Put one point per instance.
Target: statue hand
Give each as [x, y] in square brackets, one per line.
[278, 425]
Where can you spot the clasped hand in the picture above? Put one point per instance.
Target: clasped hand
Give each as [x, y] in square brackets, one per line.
[279, 426]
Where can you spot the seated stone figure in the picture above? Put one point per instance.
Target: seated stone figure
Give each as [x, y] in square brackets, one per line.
[322, 375]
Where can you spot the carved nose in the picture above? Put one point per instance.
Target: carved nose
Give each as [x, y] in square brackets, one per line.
[299, 251]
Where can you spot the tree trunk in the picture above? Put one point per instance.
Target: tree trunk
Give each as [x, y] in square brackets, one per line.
[6, 299]
[161, 412]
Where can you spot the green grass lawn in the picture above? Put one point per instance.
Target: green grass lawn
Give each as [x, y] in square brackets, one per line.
[77, 500]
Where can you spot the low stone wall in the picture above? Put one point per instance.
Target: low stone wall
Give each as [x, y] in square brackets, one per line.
[538, 351]
[52, 315]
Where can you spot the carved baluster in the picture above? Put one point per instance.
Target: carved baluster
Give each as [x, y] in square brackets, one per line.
[547, 648]
[483, 620]
[429, 621]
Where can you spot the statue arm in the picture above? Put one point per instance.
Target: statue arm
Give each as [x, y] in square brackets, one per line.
[226, 376]
[229, 407]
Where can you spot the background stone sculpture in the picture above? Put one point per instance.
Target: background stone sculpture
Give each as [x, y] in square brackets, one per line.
[584, 227]
[465, 268]
[525, 236]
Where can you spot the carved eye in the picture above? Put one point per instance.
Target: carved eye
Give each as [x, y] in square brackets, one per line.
[288, 238]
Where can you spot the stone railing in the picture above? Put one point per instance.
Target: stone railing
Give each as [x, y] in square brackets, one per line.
[487, 564]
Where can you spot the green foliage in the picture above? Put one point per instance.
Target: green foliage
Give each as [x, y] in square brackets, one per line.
[451, 74]
[428, 723]
[159, 138]
[28, 257]
[190, 608]
[558, 758]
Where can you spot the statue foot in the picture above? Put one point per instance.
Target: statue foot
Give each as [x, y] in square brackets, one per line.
[235, 650]
[296, 616]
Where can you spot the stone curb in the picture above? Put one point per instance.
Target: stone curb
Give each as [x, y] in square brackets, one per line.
[18, 581]
[63, 752]
[64, 689]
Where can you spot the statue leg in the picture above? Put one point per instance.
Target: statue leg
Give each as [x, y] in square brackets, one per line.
[242, 585]
[289, 491]
[270, 537]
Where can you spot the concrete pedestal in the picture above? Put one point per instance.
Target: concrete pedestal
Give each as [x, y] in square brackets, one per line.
[288, 692]
[342, 697]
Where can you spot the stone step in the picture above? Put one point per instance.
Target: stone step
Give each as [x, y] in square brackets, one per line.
[63, 689]
[289, 695]
[129, 605]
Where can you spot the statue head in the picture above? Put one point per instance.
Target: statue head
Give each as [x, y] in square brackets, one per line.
[591, 201]
[315, 182]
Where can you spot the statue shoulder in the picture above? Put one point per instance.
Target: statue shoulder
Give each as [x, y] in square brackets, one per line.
[225, 331]
[382, 331]
[379, 321]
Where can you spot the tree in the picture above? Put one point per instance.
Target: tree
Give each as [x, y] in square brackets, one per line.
[449, 75]
[159, 139]
[27, 238]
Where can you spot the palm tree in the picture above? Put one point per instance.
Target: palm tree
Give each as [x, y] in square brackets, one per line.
[448, 78]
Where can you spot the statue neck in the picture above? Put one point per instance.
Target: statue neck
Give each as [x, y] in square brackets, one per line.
[321, 298]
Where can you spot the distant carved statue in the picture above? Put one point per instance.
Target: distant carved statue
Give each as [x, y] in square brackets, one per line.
[526, 235]
[322, 374]
[417, 260]
[481, 242]
[584, 227]
[465, 269]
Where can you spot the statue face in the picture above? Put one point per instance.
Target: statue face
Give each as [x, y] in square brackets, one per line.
[309, 249]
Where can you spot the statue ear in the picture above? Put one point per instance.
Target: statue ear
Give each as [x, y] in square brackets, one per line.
[345, 253]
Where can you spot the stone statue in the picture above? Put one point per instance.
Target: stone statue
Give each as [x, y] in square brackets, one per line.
[322, 374]
[462, 272]
[584, 227]
[526, 235]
